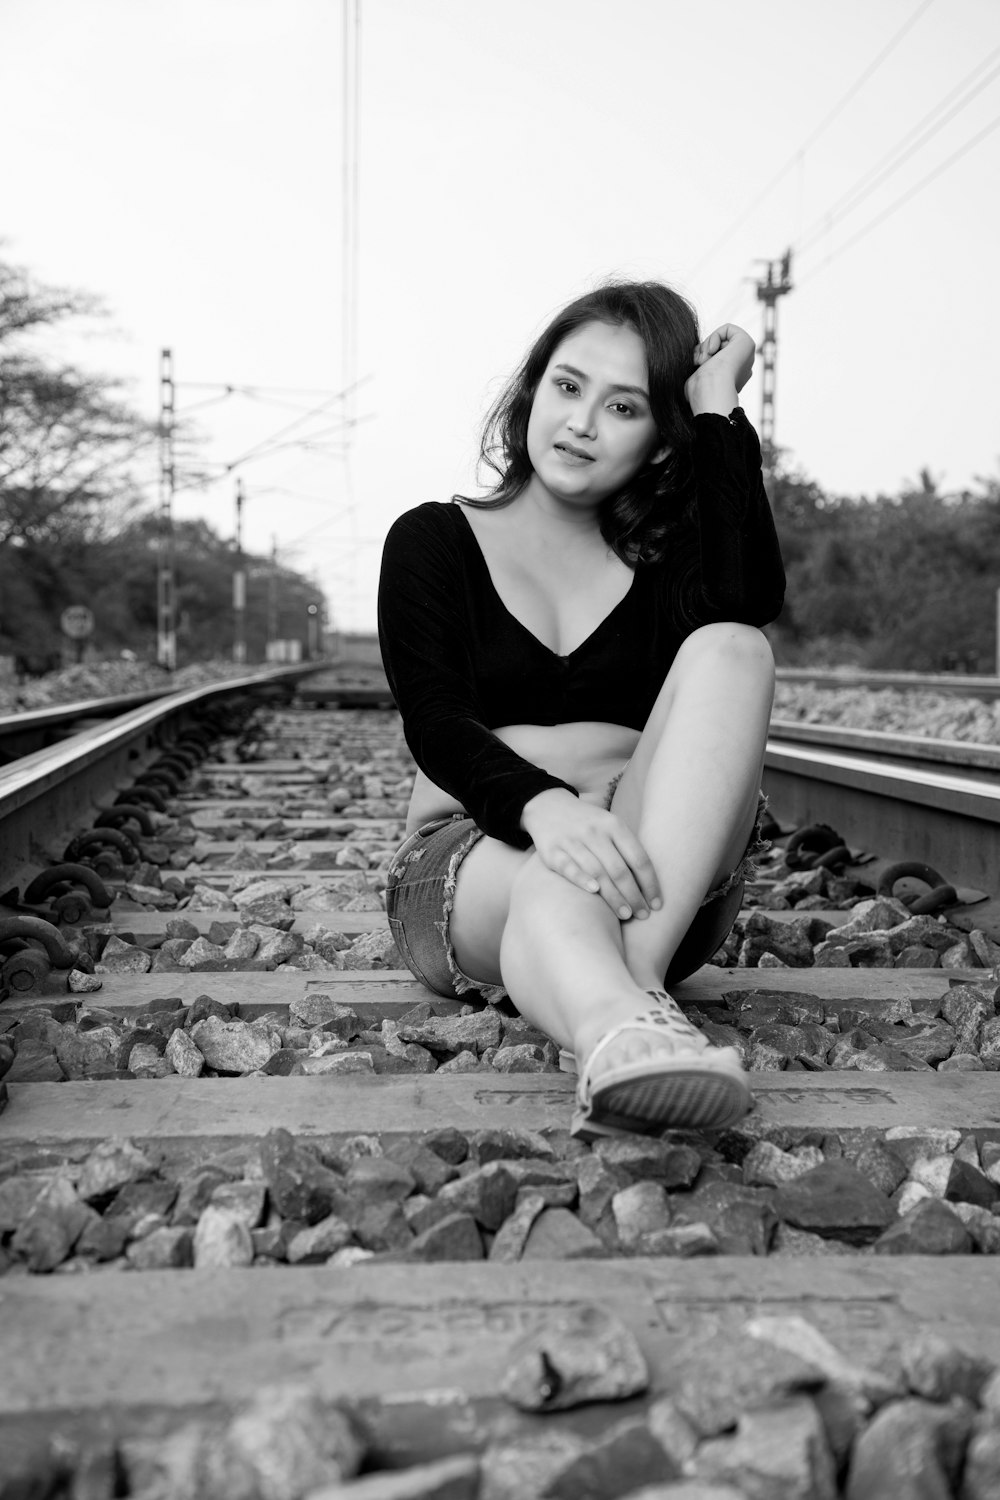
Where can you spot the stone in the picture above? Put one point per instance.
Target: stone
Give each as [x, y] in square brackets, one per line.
[18, 1195]
[683, 1241]
[79, 983]
[870, 1386]
[450, 1034]
[278, 949]
[110, 1166]
[323, 1011]
[137, 1200]
[989, 1044]
[788, 941]
[287, 1442]
[119, 957]
[448, 1143]
[241, 945]
[928, 1229]
[967, 1009]
[524, 1468]
[339, 1062]
[638, 1159]
[933, 1173]
[203, 956]
[558, 1234]
[966, 1184]
[508, 1144]
[910, 1450]
[883, 1168]
[778, 1452]
[981, 1474]
[318, 1242]
[195, 1192]
[962, 1062]
[183, 1055]
[455, 1478]
[715, 1381]
[380, 1226]
[221, 1239]
[766, 1165]
[161, 1250]
[938, 1370]
[911, 1142]
[597, 1186]
[742, 1219]
[639, 1209]
[523, 1058]
[511, 1238]
[146, 1061]
[456, 1236]
[301, 1188]
[247, 1200]
[462, 1062]
[581, 1353]
[836, 1200]
[428, 1171]
[380, 1180]
[623, 1456]
[54, 1223]
[488, 1194]
[34, 1062]
[234, 1046]
[204, 1007]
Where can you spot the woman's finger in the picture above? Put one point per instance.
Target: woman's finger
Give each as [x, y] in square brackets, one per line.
[640, 866]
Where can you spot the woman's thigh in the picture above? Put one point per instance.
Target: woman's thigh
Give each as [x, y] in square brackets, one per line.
[482, 902]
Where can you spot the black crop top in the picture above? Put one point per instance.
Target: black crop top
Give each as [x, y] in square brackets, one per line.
[460, 665]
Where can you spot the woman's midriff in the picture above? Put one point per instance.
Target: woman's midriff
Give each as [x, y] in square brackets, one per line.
[587, 755]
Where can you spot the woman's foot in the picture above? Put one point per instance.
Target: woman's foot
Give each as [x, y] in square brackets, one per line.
[653, 1070]
[680, 1037]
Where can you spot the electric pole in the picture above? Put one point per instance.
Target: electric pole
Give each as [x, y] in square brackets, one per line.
[239, 585]
[272, 597]
[166, 634]
[777, 283]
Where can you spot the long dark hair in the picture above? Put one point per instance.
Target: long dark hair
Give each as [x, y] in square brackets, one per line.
[639, 521]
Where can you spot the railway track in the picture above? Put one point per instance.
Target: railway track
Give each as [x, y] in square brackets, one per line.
[380, 1212]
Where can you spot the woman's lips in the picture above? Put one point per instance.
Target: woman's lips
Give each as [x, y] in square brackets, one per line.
[573, 455]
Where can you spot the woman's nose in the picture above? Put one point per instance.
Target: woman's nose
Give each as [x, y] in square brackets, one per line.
[581, 422]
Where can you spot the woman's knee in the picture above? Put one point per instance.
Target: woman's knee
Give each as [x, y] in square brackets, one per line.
[725, 641]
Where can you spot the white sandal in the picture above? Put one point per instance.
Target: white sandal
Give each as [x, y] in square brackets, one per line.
[705, 1090]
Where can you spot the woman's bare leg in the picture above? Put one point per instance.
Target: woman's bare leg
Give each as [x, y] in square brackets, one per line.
[690, 791]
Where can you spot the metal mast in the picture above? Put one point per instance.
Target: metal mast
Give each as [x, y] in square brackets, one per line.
[239, 584]
[166, 634]
[776, 283]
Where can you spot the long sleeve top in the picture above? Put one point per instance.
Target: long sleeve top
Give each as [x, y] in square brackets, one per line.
[460, 664]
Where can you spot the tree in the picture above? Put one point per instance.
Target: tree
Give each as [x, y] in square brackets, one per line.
[69, 454]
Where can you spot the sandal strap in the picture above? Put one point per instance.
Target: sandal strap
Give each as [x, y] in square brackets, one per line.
[659, 1022]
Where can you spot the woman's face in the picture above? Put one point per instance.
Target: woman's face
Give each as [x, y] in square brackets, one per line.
[590, 428]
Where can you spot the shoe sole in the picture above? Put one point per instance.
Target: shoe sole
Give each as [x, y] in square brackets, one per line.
[680, 1100]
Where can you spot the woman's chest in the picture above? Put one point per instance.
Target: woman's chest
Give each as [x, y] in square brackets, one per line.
[561, 598]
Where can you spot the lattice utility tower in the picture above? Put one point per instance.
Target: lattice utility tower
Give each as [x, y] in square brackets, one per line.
[775, 284]
[166, 631]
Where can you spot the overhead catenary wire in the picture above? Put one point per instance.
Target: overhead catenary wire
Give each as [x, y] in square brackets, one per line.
[901, 152]
[812, 138]
[898, 203]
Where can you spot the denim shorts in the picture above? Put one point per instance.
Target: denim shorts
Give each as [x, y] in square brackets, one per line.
[420, 894]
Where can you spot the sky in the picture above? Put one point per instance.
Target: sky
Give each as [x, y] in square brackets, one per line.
[184, 160]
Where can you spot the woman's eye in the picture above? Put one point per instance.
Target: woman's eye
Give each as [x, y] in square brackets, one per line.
[566, 385]
[621, 408]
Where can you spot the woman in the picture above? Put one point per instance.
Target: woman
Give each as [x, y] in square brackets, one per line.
[586, 695]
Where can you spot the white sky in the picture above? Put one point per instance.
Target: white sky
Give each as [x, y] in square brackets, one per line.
[182, 159]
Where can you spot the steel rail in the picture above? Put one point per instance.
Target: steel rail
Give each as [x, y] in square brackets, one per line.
[966, 686]
[45, 793]
[903, 802]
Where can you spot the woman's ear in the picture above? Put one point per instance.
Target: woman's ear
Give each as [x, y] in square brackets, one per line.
[659, 454]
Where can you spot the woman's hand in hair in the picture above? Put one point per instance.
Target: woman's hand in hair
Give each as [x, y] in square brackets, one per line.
[594, 850]
[723, 362]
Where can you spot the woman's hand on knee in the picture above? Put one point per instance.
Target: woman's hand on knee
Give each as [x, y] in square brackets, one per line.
[594, 850]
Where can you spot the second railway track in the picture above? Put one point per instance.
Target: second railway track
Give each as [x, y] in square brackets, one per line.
[338, 1212]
